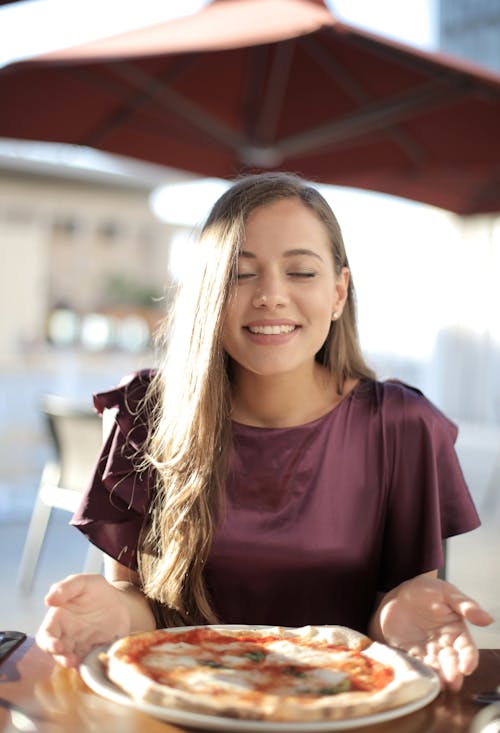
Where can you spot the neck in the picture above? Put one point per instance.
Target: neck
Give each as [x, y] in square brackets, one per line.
[283, 400]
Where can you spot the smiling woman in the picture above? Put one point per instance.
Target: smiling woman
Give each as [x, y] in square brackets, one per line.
[262, 475]
[286, 295]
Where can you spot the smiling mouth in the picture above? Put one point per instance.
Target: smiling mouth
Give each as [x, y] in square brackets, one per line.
[271, 330]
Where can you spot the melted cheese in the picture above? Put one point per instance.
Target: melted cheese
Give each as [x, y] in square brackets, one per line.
[279, 667]
[286, 652]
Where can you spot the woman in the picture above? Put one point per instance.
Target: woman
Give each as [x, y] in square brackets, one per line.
[262, 475]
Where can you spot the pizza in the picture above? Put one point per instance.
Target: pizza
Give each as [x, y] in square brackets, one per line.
[266, 673]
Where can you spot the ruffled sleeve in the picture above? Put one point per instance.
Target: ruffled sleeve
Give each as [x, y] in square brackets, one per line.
[428, 499]
[113, 508]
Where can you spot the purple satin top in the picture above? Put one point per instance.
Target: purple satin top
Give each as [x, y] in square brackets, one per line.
[319, 518]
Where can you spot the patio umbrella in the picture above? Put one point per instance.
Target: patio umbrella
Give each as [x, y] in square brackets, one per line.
[271, 84]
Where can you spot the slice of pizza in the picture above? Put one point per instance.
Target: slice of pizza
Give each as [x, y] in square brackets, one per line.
[266, 673]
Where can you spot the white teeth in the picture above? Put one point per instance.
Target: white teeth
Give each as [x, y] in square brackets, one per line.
[268, 330]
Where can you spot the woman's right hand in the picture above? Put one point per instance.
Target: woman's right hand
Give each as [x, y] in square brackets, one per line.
[84, 611]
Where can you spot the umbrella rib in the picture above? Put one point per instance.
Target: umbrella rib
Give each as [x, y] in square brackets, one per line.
[372, 118]
[125, 110]
[358, 93]
[188, 110]
[272, 104]
[327, 61]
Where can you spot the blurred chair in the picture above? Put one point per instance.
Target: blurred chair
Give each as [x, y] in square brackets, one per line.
[76, 436]
[443, 569]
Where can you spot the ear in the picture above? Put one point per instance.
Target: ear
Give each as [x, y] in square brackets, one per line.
[341, 291]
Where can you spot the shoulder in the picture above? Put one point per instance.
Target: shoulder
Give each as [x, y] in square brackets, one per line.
[127, 407]
[128, 395]
[402, 406]
[390, 393]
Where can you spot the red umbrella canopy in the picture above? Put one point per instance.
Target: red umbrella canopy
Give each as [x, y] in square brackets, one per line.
[271, 84]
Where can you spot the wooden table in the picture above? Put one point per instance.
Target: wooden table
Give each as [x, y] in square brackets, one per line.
[57, 701]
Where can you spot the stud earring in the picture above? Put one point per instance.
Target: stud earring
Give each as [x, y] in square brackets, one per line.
[335, 315]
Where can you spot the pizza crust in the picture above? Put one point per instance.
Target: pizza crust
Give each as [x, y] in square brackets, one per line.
[409, 683]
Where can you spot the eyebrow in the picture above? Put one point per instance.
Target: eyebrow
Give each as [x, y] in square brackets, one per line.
[289, 253]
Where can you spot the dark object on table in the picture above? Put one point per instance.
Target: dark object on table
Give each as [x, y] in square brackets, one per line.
[9, 640]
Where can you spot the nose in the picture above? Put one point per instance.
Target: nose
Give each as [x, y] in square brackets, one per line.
[270, 293]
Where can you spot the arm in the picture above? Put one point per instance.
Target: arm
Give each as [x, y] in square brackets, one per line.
[88, 610]
[127, 581]
[428, 500]
[428, 618]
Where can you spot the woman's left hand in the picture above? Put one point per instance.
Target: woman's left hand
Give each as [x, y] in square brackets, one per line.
[427, 618]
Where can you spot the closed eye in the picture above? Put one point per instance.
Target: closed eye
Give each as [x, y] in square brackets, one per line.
[302, 275]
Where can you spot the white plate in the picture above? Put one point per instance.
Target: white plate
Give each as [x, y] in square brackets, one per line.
[93, 674]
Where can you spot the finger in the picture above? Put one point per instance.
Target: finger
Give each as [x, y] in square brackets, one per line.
[59, 651]
[428, 653]
[430, 656]
[55, 642]
[473, 613]
[432, 660]
[67, 660]
[431, 649]
[467, 607]
[64, 591]
[49, 632]
[468, 654]
[450, 668]
[414, 650]
[477, 615]
[49, 643]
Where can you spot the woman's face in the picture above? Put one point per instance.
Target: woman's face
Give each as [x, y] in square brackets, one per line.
[279, 312]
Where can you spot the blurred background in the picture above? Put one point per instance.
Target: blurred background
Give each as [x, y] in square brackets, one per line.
[92, 245]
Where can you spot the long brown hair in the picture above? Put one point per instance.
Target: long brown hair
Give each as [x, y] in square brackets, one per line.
[190, 433]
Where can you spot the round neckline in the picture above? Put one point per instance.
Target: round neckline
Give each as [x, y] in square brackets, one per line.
[309, 423]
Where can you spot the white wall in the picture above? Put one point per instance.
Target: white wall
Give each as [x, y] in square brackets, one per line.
[23, 291]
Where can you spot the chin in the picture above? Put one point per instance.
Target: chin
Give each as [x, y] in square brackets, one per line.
[273, 370]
